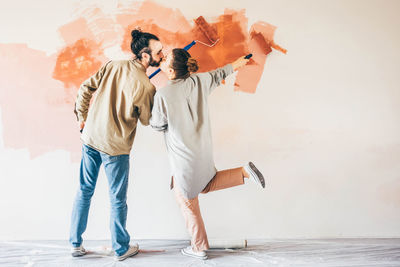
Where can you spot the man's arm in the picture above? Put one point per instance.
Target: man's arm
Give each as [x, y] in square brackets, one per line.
[85, 93]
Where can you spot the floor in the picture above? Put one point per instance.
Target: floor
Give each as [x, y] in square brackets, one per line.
[304, 252]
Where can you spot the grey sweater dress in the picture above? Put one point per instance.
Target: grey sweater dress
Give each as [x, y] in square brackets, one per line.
[181, 111]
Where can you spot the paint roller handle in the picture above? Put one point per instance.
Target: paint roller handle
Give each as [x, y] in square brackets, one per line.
[189, 45]
[248, 56]
[154, 73]
[186, 48]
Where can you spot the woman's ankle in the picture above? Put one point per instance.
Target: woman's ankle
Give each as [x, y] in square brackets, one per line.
[244, 173]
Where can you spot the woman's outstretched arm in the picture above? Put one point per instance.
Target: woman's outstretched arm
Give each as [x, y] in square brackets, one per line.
[213, 78]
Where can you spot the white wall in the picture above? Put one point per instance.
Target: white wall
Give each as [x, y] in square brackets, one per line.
[323, 126]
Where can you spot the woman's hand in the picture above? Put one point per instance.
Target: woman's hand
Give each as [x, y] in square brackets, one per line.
[240, 62]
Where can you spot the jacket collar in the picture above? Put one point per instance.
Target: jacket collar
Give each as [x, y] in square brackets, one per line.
[138, 65]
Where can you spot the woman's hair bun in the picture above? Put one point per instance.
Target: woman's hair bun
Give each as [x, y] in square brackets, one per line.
[192, 65]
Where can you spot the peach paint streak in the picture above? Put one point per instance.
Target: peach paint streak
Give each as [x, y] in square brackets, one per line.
[38, 91]
[37, 111]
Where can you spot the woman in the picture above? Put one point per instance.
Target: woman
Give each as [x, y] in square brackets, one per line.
[181, 111]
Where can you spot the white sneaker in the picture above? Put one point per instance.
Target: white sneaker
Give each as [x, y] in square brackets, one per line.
[188, 251]
[132, 251]
[255, 174]
[78, 251]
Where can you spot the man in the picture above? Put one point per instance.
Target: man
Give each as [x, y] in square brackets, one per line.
[124, 96]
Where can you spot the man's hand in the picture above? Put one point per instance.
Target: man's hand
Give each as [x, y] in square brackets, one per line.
[81, 125]
[240, 62]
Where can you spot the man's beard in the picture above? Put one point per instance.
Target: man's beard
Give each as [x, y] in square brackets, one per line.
[154, 63]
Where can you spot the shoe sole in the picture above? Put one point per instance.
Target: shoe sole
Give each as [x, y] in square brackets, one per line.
[257, 173]
[194, 256]
[128, 256]
[78, 254]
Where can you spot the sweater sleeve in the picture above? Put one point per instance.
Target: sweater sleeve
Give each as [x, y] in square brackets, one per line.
[212, 79]
[86, 91]
[144, 103]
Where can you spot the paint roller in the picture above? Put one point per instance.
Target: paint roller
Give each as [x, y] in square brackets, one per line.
[208, 32]
[227, 243]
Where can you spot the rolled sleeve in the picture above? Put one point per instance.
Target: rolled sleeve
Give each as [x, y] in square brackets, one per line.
[213, 79]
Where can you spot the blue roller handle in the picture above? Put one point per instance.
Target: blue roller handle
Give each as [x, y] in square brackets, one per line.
[189, 45]
[154, 73]
[186, 48]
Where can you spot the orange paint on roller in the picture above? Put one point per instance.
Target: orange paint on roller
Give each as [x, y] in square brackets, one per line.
[208, 31]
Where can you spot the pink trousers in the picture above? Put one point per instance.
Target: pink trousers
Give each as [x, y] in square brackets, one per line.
[191, 210]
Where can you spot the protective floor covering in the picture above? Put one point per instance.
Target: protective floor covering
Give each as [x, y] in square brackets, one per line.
[305, 252]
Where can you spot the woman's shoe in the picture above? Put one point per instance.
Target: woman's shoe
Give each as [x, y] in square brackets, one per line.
[188, 251]
[255, 174]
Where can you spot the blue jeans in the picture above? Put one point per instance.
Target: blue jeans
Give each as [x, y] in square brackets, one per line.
[117, 171]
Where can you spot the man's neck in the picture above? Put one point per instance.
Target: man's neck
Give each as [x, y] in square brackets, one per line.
[145, 64]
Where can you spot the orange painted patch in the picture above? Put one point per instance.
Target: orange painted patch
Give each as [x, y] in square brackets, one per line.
[174, 30]
[37, 92]
[77, 62]
[234, 41]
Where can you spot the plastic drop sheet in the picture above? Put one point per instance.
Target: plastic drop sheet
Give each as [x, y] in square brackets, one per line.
[333, 252]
